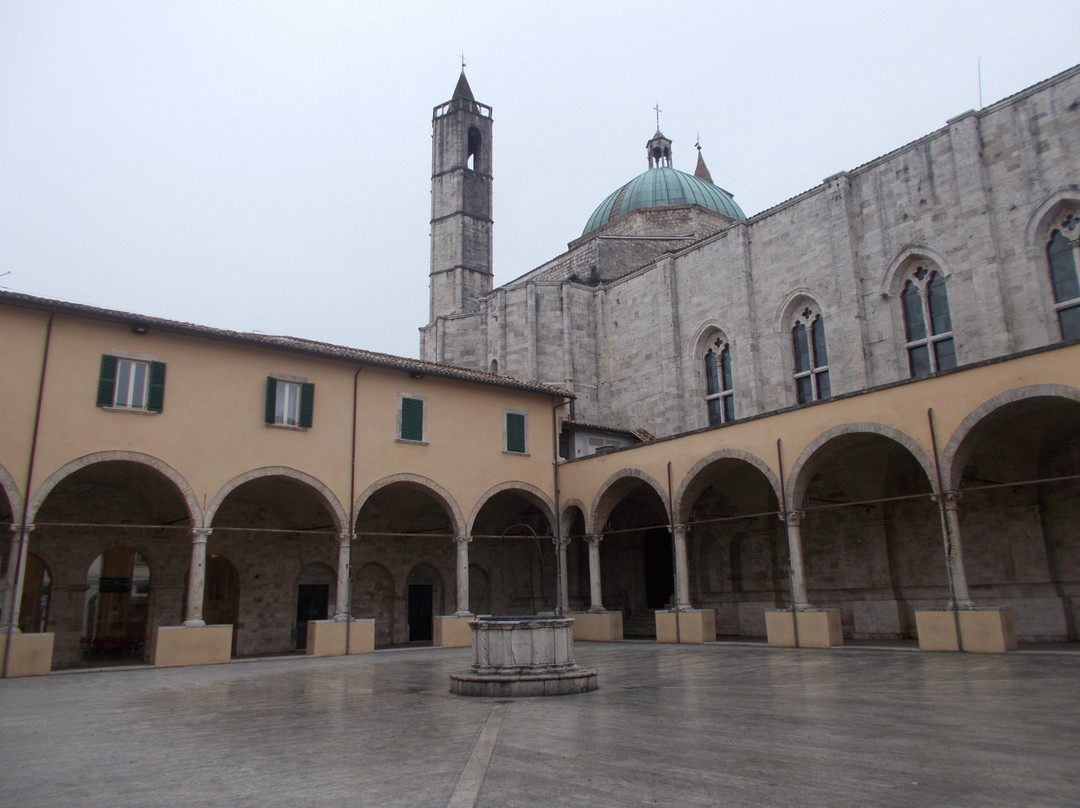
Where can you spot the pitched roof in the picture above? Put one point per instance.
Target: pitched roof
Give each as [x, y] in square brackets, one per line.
[324, 350]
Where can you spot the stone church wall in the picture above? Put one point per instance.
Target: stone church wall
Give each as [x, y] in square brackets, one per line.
[965, 198]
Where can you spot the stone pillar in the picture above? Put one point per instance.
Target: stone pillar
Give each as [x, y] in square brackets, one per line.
[682, 569]
[793, 520]
[197, 577]
[462, 576]
[595, 603]
[954, 556]
[20, 546]
[344, 576]
[563, 595]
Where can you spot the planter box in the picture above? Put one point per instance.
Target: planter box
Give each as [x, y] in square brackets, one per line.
[31, 654]
[597, 626]
[327, 637]
[695, 626]
[816, 629]
[179, 646]
[452, 632]
[984, 631]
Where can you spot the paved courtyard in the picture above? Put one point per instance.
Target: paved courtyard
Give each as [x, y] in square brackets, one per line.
[714, 725]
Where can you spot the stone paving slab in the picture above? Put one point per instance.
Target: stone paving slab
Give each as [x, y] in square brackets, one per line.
[675, 726]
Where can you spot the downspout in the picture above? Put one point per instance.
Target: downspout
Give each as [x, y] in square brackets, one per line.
[352, 515]
[674, 551]
[784, 518]
[26, 497]
[946, 530]
[558, 508]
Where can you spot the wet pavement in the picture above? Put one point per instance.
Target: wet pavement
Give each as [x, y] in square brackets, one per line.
[713, 725]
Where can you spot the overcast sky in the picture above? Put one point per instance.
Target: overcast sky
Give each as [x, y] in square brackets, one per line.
[265, 166]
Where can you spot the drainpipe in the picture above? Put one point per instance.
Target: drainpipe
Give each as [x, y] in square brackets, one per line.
[352, 515]
[784, 519]
[674, 554]
[17, 577]
[560, 549]
[946, 530]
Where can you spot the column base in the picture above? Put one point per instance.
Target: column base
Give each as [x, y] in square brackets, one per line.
[180, 646]
[326, 638]
[452, 631]
[688, 626]
[31, 654]
[816, 629]
[984, 631]
[597, 626]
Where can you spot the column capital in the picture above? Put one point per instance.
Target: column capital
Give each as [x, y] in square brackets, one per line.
[952, 500]
[201, 534]
[344, 537]
[462, 539]
[17, 528]
[561, 541]
[594, 539]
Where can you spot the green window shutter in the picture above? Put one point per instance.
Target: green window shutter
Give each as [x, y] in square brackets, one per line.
[412, 419]
[515, 432]
[271, 398]
[155, 398]
[106, 381]
[307, 404]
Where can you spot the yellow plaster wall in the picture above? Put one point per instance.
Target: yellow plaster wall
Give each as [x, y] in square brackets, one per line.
[212, 428]
[31, 654]
[953, 397]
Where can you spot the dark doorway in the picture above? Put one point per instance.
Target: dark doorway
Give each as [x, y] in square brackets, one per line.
[312, 601]
[659, 569]
[420, 609]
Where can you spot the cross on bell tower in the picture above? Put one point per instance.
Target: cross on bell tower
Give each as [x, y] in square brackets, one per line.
[658, 147]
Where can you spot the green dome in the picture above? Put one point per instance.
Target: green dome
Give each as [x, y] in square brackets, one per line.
[662, 186]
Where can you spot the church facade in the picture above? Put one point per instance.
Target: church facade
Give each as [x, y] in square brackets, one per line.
[882, 293]
[862, 403]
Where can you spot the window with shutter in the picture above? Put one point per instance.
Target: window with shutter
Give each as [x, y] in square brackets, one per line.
[289, 403]
[131, 384]
[515, 432]
[411, 419]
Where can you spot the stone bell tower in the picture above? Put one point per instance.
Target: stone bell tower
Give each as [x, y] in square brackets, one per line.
[461, 269]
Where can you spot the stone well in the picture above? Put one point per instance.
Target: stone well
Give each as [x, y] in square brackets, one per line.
[523, 656]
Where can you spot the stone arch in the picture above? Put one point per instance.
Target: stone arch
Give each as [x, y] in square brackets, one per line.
[890, 278]
[569, 504]
[953, 458]
[682, 506]
[1041, 217]
[795, 300]
[444, 497]
[1036, 237]
[195, 513]
[14, 497]
[601, 509]
[517, 486]
[328, 498]
[799, 478]
[696, 346]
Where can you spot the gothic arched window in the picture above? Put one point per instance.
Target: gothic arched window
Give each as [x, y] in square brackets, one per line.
[719, 396]
[811, 357]
[1062, 252]
[927, 324]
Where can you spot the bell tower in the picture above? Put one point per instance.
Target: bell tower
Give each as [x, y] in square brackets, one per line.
[461, 267]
